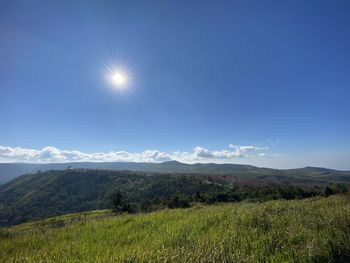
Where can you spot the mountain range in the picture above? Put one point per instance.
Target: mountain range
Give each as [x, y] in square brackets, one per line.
[9, 171]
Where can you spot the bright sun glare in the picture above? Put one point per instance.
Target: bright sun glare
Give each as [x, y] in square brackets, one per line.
[118, 79]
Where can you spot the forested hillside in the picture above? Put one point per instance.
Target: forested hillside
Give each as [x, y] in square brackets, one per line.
[59, 192]
[56, 192]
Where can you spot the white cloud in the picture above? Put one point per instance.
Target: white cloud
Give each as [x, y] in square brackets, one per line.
[52, 154]
[247, 148]
[199, 154]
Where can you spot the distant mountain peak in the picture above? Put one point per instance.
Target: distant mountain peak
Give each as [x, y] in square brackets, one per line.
[173, 162]
[317, 168]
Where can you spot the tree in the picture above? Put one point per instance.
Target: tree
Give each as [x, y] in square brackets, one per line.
[328, 192]
[146, 206]
[198, 197]
[178, 202]
[340, 189]
[120, 203]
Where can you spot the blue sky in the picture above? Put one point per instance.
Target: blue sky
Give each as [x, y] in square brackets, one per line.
[270, 76]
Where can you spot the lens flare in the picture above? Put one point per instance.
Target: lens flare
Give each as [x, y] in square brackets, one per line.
[118, 76]
[119, 79]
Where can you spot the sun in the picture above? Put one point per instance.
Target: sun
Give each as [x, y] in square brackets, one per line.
[119, 79]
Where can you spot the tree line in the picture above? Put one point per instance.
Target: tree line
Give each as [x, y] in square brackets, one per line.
[238, 193]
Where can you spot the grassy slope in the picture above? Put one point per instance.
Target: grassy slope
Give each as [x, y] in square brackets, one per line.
[314, 230]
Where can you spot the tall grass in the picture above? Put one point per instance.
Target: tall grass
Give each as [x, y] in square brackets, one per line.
[311, 230]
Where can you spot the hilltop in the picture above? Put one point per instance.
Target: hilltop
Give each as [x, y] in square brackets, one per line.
[9, 171]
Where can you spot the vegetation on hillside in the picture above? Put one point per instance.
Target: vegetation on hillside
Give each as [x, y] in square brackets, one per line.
[59, 192]
[10, 171]
[53, 193]
[309, 230]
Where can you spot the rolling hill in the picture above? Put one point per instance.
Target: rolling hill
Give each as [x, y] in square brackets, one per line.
[9, 171]
[55, 192]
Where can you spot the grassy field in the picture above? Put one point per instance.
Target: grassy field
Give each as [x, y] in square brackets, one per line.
[311, 230]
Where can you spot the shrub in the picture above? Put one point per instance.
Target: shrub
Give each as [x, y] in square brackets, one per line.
[121, 203]
[178, 202]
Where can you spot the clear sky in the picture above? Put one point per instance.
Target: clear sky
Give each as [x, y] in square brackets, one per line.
[259, 82]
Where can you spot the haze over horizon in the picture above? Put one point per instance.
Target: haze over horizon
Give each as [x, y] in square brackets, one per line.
[246, 82]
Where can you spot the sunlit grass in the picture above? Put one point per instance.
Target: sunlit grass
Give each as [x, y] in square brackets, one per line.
[314, 230]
